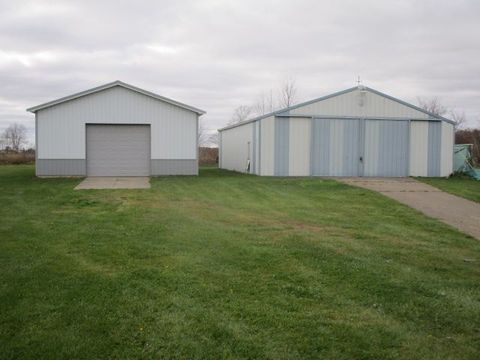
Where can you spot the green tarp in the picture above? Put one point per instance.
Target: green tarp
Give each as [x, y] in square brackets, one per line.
[462, 161]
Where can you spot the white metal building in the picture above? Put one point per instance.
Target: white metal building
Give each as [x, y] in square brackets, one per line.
[116, 130]
[355, 132]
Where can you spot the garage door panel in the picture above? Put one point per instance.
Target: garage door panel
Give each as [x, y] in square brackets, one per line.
[386, 148]
[336, 147]
[118, 150]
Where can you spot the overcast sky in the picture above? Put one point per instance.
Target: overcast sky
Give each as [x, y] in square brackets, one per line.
[217, 55]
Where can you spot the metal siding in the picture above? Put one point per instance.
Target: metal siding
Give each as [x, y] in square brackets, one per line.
[267, 149]
[344, 147]
[371, 150]
[336, 148]
[351, 140]
[434, 148]
[174, 167]
[259, 123]
[282, 140]
[220, 151]
[61, 128]
[299, 146]
[320, 154]
[60, 167]
[354, 104]
[393, 149]
[118, 150]
[235, 147]
[446, 164]
[419, 148]
[253, 168]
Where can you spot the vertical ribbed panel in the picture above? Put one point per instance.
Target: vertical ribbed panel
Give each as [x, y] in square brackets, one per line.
[371, 154]
[282, 140]
[320, 154]
[419, 148]
[434, 148]
[393, 149]
[351, 148]
[299, 149]
[268, 146]
[448, 138]
[253, 167]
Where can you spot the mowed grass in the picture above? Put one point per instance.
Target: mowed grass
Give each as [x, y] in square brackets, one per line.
[460, 185]
[229, 266]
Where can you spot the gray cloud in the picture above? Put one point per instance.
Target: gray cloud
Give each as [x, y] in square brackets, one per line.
[218, 55]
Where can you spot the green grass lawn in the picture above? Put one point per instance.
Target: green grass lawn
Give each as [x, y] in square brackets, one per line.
[229, 266]
[460, 185]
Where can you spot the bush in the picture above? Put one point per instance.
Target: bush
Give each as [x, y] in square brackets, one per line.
[16, 158]
[208, 156]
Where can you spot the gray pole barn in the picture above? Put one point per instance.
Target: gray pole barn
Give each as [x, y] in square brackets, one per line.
[116, 130]
[356, 132]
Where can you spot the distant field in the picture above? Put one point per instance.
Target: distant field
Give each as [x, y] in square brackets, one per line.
[229, 266]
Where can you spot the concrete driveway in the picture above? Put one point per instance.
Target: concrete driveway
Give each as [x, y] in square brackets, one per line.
[113, 182]
[452, 210]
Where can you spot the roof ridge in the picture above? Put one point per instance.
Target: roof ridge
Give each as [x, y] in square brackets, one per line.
[108, 86]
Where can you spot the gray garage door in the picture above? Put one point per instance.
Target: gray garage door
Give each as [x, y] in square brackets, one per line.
[118, 150]
[386, 148]
[336, 146]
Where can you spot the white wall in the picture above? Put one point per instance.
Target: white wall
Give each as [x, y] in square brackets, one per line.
[267, 151]
[419, 148]
[446, 159]
[349, 104]
[236, 145]
[299, 145]
[61, 128]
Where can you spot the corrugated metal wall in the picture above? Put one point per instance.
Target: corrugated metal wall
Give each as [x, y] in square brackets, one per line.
[236, 147]
[267, 150]
[282, 145]
[361, 104]
[299, 154]
[419, 148]
[335, 147]
[61, 128]
[448, 140]
[388, 139]
[386, 148]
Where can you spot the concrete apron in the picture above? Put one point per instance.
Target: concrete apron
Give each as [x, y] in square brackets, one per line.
[114, 182]
[458, 212]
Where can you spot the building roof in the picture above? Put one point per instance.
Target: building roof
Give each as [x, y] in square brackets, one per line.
[108, 86]
[360, 87]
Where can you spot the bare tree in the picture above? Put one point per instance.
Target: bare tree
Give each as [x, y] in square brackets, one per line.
[15, 136]
[459, 118]
[202, 134]
[213, 139]
[432, 105]
[264, 104]
[240, 114]
[288, 93]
